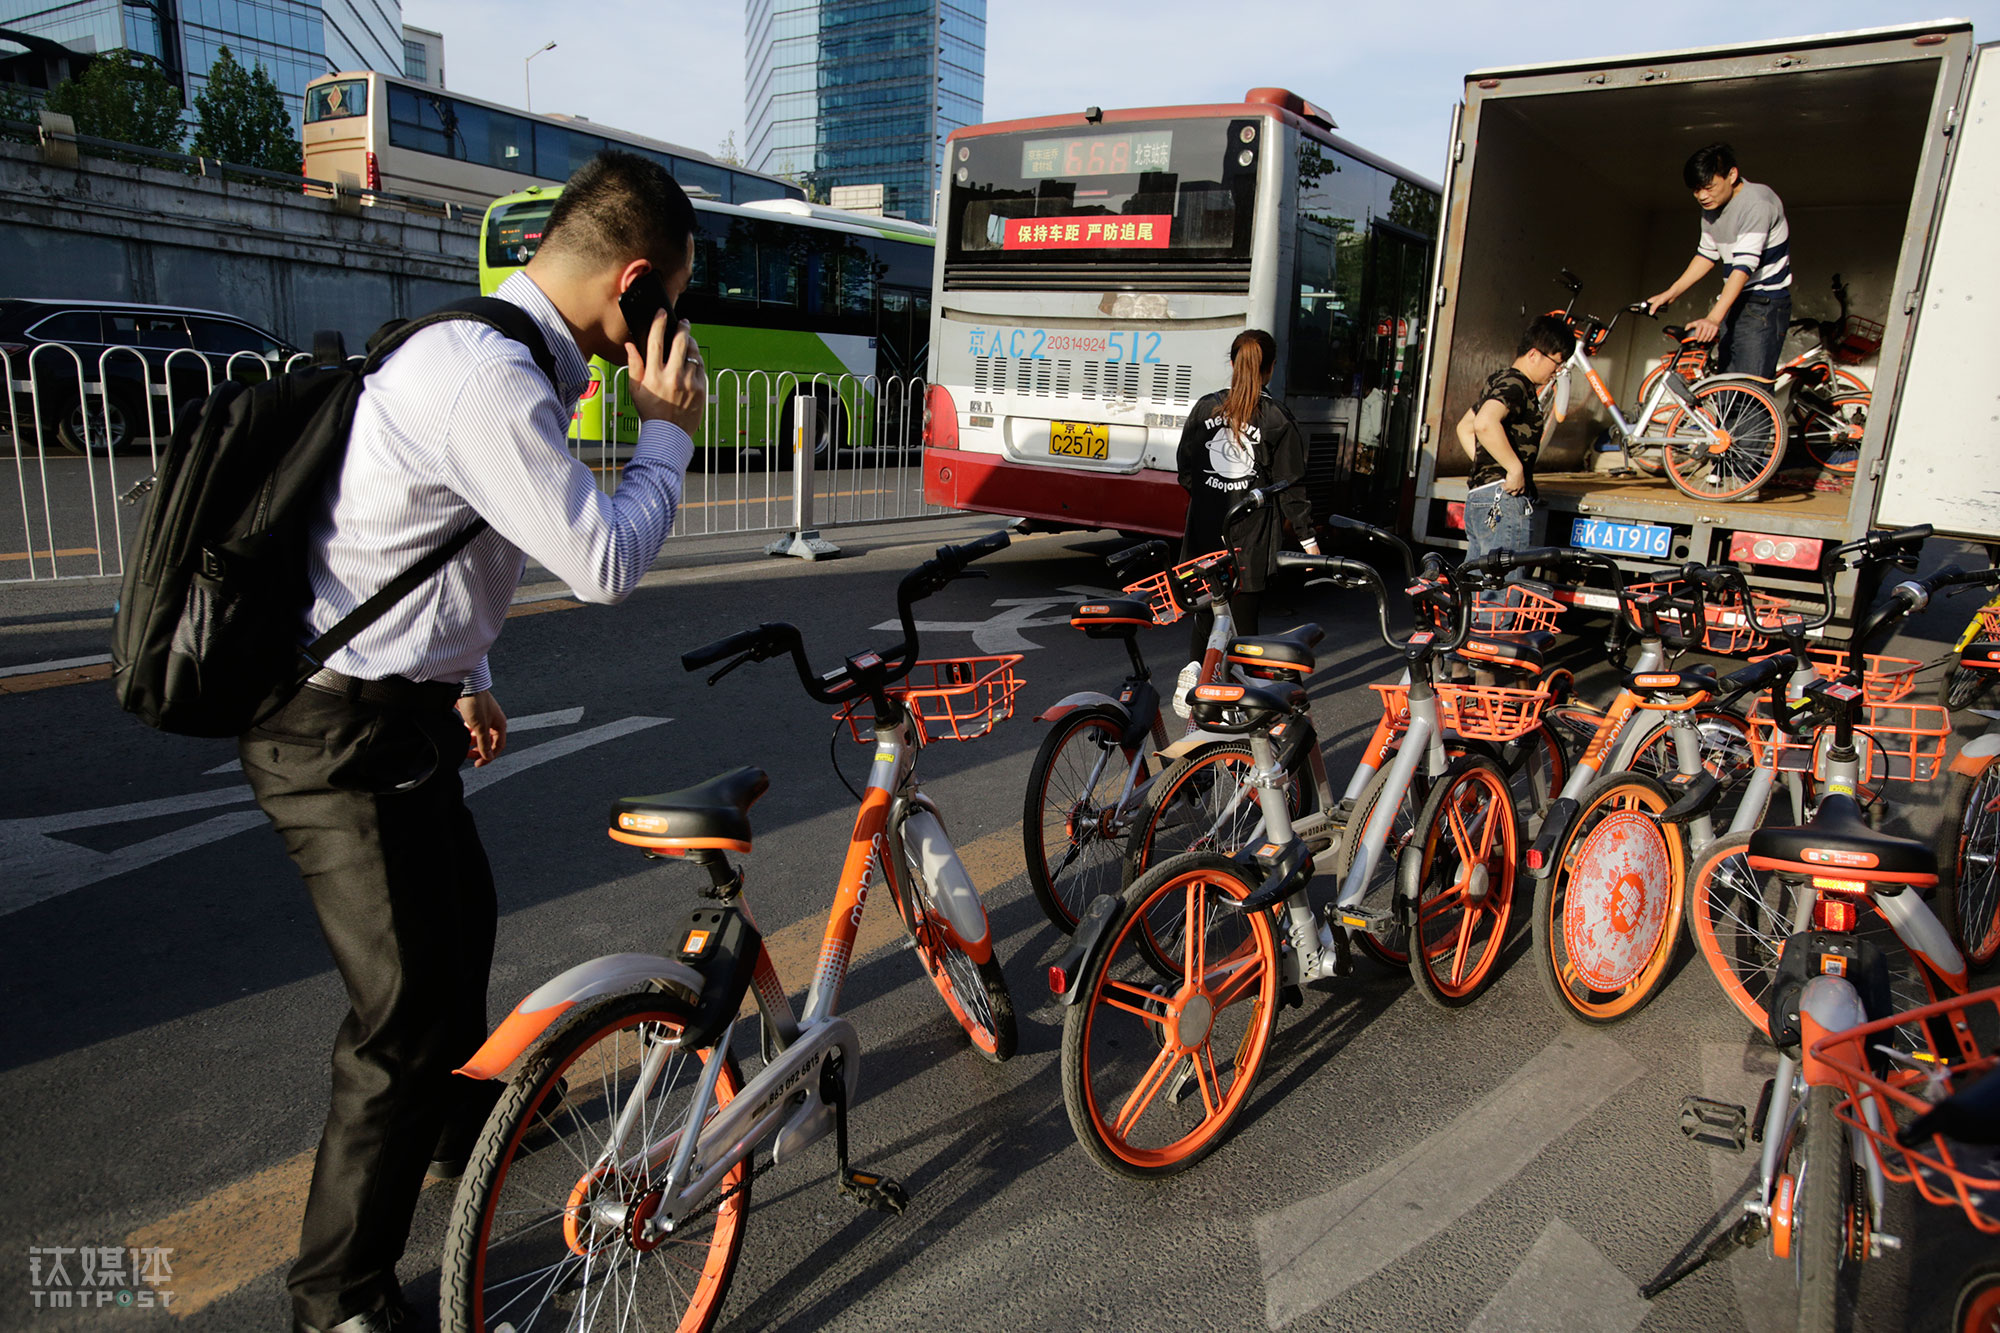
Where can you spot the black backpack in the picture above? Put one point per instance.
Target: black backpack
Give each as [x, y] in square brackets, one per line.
[205, 639]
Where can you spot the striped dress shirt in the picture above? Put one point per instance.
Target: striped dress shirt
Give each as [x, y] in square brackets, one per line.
[459, 423]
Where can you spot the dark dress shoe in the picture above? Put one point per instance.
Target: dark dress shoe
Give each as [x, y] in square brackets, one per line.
[475, 1101]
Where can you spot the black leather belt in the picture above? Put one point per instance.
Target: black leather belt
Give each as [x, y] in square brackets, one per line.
[390, 691]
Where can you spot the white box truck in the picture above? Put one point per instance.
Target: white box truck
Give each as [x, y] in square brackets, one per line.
[1884, 146]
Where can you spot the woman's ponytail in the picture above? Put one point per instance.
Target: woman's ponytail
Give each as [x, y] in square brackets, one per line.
[1252, 358]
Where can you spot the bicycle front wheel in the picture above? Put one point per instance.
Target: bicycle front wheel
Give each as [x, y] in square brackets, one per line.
[1740, 449]
[974, 991]
[1962, 685]
[1465, 882]
[1072, 825]
[1968, 849]
[1830, 1219]
[1155, 1069]
[1607, 916]
[548, 1231]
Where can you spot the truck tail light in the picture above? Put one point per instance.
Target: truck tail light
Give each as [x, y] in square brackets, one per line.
[374, 173]
[1765, 548]
[940, 419]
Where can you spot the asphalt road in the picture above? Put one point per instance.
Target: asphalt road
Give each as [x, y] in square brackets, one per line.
[1398, 1168]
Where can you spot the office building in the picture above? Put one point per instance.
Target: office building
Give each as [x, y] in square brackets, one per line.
[294, 40]
[423, 56]
[861, 92]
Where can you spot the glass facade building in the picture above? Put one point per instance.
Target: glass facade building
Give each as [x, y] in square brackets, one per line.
[294, 40]
[862, 92]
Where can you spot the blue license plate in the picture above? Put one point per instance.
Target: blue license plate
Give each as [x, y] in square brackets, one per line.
[1647, 539]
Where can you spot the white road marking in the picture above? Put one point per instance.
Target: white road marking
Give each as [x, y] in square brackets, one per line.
[561, 717]
[62, 664]
[1001, 632]
[1316, 1249]
[1565, 1285]
[36, 866]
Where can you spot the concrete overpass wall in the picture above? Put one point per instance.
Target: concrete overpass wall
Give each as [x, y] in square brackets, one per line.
[112, 231]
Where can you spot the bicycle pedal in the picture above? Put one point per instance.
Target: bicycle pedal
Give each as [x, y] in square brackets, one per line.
[1716, 1124]
[1376, 921]
[878, 1193]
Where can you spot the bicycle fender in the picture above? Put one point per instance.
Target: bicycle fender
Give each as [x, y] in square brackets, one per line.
[1191, 742]
[1081, 699]
[953, 894]
[1925, 936]
[612, 974]
[1555, 830]
[1977, 753]
[1067, 972]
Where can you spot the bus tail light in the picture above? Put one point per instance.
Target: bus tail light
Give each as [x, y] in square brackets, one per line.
[1764, 548]
[374, 172]
[940, 419]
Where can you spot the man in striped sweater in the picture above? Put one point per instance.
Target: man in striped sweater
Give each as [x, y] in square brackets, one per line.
[1743, 229]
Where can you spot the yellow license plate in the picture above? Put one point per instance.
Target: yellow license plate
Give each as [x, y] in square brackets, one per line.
[1076, 439]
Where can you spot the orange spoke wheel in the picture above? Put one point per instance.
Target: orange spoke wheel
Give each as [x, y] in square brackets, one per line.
[1461, 895]
[1607, 917]
[1727, 444]
[553, 1227]
[1155, 1068]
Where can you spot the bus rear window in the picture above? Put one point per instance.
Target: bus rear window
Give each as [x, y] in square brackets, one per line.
[514, 232]
[336, 101]
[1173, 191]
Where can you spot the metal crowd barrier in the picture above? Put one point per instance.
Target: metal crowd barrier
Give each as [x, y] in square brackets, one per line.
[80, 433]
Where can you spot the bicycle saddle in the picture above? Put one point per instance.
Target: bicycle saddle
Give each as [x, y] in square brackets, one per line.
[1118, 618]
[1236, 709]
[1840, 844]
[1515, 652]
[715, 813]
[1680, 684]
[1678, 332]
[1289, 651]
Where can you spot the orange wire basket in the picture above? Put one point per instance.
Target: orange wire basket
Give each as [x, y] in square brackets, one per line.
[1878, 1104]
[1476, 712]
[1859, 339]
[1514, 609]
[1897, 742]
[1884, 680]
[953, 699]
[1729, 630]
[1205, 575]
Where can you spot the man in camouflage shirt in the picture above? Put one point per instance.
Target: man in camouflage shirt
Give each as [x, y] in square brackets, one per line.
[1502, 433]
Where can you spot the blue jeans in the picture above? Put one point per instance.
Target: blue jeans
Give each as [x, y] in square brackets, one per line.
[1754, 334]
[1496, 521]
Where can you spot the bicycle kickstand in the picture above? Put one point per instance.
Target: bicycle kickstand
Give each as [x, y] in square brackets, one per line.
[868, 1190]
[1748, 1231]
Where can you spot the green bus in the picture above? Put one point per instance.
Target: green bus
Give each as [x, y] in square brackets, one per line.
[786, 298]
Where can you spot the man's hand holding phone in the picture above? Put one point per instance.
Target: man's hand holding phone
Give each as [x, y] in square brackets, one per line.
[668, 382]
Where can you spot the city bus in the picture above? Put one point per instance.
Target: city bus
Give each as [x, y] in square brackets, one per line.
[1093, 269]
[407, 138]
[786, 297]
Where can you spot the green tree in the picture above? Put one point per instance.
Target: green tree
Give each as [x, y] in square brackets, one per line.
[15, 104]
[124, 96]
[243, 118]
[725, 152]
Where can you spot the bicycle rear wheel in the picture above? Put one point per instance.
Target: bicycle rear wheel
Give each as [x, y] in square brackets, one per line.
[1740, 919]
[1968, 849]
[547, 1230]
[1749, 447]
[1464, 896]
[1154, 1070]
[1832, 437]
[1072, 828]
[1608, 915]
[1725, 748]
[1830, 1220]
[1200, 804]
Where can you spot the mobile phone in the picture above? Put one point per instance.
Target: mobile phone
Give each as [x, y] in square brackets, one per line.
[641, 301]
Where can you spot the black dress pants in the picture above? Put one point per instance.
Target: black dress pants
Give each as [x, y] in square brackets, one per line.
[367, 797]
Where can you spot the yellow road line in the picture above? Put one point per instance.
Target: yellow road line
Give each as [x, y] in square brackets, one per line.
[231, 1238]
[46, 555]
[42, 680]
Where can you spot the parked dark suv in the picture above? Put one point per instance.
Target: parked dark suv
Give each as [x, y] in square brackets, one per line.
[174, 351]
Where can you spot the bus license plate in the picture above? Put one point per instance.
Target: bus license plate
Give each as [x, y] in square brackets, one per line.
[1647, 539]
[1077, 439]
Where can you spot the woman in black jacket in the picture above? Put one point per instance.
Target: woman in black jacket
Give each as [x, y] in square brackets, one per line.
[1233, 441]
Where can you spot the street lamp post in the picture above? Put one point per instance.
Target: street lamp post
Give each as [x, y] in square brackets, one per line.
[527, 88]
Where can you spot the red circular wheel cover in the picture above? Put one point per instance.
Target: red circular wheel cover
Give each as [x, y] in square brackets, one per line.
[1615, 908]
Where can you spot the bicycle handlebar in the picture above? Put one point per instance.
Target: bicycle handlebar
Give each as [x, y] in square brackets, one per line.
[1352, 573]
[1154, 551]
[865, 672]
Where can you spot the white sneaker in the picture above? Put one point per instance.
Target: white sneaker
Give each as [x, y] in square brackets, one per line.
[1182, 684]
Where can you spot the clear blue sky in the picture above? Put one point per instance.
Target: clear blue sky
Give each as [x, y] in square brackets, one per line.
[1388, 72]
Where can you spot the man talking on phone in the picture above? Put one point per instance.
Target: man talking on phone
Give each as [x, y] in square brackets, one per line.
[359, 772]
